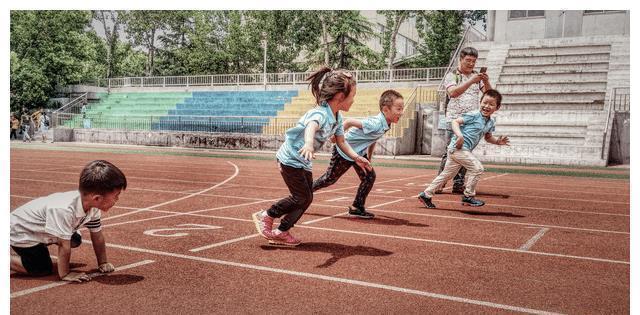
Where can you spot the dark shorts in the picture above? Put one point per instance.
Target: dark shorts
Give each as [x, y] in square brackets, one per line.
[36, 259]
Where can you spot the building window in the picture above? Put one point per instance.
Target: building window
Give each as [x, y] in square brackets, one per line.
[587, 12]
[522, 14]
[381, 38]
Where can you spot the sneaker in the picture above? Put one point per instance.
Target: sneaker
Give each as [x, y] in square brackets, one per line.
[76, 239]
[264, 223]
[360, 213]
[426, 201]
[458, 190]
[470, 201]
[283, 238]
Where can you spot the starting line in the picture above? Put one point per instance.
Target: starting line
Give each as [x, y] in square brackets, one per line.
[91, 275]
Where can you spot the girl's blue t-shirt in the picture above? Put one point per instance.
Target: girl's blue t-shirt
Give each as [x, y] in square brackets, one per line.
[294, 137]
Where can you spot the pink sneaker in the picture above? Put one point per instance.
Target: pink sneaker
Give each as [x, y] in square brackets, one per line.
[264, 223]
[283, 238]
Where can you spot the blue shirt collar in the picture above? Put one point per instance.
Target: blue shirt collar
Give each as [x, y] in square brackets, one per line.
[331, 119]
[383, 120]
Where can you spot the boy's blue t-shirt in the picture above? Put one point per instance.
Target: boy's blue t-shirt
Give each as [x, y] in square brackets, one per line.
[473, 129]
[373, 128]
[294, 137]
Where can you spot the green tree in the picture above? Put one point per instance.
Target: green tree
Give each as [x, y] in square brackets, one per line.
[342, 44]
[49, 49]
[394, 19]
[441, 31]
[110, 21]
[143, 28]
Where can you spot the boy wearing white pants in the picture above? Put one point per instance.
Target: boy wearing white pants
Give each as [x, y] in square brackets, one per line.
[468, 130]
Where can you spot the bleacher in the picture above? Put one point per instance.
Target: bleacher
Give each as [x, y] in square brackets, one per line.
[225, 111]
[260, 112]
[366, 103]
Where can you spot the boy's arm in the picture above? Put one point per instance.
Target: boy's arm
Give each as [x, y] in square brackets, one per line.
[346, 148]
[100, 249]
[370, 151]
[455, 127]
[501, 140]
[309, 133]
[351, 122]
[64, 255]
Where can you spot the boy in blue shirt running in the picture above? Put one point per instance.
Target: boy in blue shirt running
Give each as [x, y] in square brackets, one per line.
[362, 138]
[475, 125]
[334, 91]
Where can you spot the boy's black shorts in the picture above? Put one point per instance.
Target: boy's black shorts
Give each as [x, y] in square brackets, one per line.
[35, 259]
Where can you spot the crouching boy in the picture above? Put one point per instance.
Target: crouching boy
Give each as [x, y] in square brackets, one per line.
[55, 219]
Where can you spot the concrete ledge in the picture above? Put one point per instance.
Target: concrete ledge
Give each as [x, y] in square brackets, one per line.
[232, 141]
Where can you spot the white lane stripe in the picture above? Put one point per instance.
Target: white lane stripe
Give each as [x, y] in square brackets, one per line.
[511, 206]
[238, 205]
[471, 245]
[326, 218]
[337, 279]
[493, 221]
[386, 203]
[534, 239]
[237, 170]
[91, 275]
[408, 238]
[224, 243]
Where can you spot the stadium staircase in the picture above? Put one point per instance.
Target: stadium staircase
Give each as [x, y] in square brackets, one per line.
[554, 98]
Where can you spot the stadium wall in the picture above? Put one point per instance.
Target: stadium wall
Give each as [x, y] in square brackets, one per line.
[232, 141]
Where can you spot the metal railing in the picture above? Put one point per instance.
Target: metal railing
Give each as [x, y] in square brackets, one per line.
[72, 108]
[427, 75]
[621, 99]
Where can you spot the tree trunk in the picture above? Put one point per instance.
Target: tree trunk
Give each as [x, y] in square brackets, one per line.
[392, 52]
[325, 39]
[343, 54]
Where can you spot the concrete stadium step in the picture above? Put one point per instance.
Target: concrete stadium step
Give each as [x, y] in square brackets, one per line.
[555, 87]
[576, 152]
[558, 59]
[552, 117]
[537, 97]
[568, 66]
[509, 105]
[557, 50]
[554, 77]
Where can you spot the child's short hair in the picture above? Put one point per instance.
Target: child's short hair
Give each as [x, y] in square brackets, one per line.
[101, 177]
[388, 97]
[495, 94]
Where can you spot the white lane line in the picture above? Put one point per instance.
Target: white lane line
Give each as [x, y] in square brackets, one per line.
[534, 239]
[232, 206]
[91, 275]
[337, 279]
[494, 221]
[326, 218]
[407, 238]
[224, 243]
[386, 203]
[470, 245]
[237, 170]
[175, 214]
[513, 206]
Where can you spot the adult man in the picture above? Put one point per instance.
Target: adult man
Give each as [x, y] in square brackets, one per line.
[464, 87]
